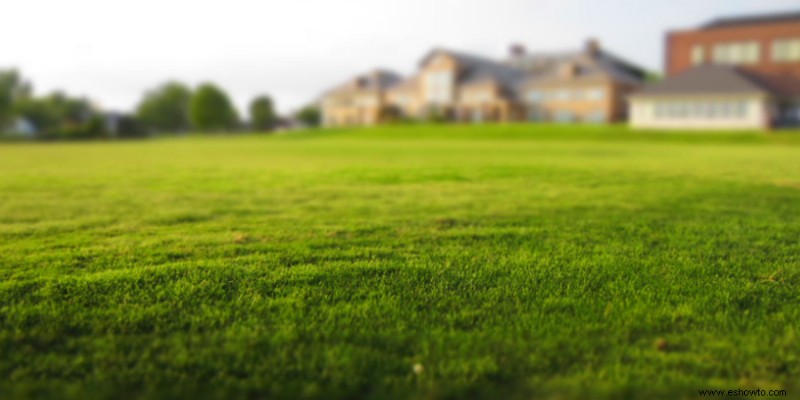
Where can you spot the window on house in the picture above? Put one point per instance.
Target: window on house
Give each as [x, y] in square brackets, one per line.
[713, 109]
[740, 109]
[596, 94]
[536, 96]
[700, 109]
[367, 101]
[564, 116]
[737, 53]
[536, 115]
[786, 50]
[483, 97]
[439, 87]
[596, 117]
[683, 110]
[477, 97]
[563, 95]
[695, 110]
[400, 100]
[477, 116]
[660, 110]
[674, 110]
[698, 55]
[726, 110]
[707, 110]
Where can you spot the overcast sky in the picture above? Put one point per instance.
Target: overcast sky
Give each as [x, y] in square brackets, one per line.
[113, 50]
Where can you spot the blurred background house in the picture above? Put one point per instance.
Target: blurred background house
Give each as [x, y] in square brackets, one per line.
[456, 86]
[580, 86]
[588, 85]
[739, 72]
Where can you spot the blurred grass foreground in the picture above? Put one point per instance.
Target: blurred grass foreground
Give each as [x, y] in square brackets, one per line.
[396, 262]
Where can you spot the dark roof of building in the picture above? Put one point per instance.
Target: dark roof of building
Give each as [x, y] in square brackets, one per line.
[410, 83]
[589, 67]
[478, 69]
[377, 79]
[781, 84]
[752, 20]
[386, 79]
[707, 79]
[546, 65]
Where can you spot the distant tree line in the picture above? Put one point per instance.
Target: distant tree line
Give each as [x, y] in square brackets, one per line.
[56, 115]
[172, 107]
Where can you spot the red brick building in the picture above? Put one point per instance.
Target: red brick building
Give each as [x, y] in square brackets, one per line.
[730, 73]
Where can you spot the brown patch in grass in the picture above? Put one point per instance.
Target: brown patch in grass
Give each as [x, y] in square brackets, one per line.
[446, 223]
[789, 184]
[240, 238]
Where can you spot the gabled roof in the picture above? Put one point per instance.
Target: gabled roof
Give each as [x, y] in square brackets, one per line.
[383, 79]
[782, 85]
[476, 69]
[411, 83]
[726, 22]
[707, 79]
[377, 79]
[544, 66]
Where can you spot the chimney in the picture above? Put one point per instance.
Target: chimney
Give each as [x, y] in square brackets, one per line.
[593, 47]
[516, 50]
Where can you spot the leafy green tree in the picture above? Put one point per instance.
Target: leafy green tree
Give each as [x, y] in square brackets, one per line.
[211, 110]
[309, 115]
[262, 114]
[60, 116]
[73, 111]
[12, 89]
[435, 115]
[129, 126]
[166, 108]
[390, 115]
[95, 127]
[40, 112]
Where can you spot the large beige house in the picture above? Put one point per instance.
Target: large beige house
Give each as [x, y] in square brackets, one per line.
[459, 87]
[588, 85]
[584, 86]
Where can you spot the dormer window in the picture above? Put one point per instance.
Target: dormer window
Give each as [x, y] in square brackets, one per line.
[536, 96]
[439, 87]
[569, 70]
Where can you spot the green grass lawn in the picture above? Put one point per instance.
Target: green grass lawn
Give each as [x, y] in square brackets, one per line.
[517, 261]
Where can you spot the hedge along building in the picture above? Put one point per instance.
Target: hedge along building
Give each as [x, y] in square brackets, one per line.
[735, 73]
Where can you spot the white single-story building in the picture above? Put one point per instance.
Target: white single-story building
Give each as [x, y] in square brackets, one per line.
[705, 97]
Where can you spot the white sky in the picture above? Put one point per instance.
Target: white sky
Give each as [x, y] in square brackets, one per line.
[113, 50]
